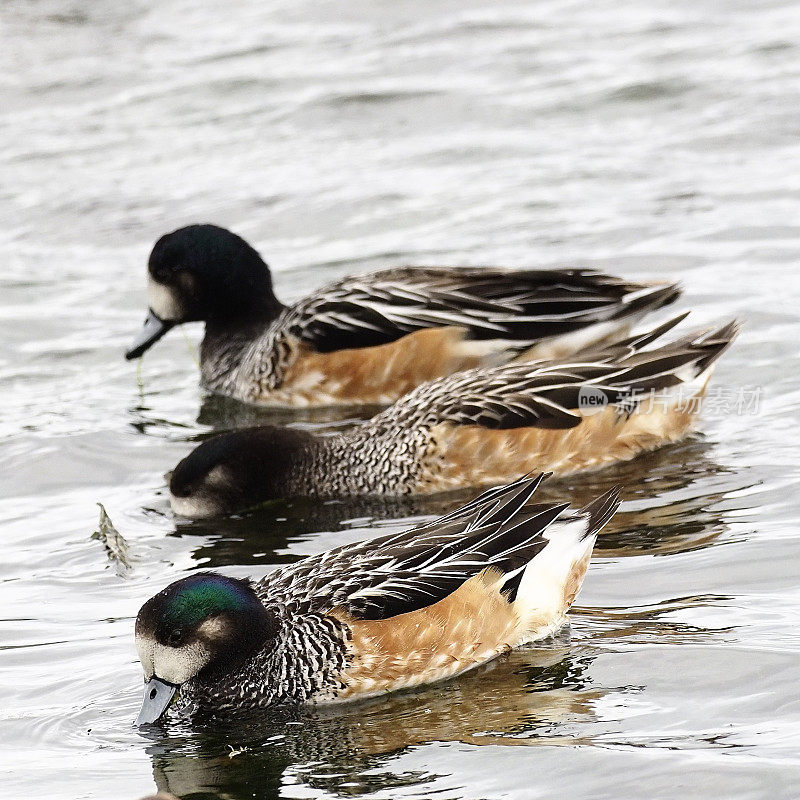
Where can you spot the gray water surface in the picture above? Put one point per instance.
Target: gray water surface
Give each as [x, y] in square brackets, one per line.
[658, 140]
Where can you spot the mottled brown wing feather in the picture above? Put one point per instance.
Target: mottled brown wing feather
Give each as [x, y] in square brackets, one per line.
[547, 395]
[402, 572]
[488, 302]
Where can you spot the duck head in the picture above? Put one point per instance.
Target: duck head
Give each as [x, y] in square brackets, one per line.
[199, 628]
[208, 273]
[238, 470]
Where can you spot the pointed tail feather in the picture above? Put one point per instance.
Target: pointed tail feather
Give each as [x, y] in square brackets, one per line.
[652, 298]
[601, 509]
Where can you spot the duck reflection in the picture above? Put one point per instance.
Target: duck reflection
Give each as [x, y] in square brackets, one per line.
[654, 624]
[675, 500]
[262, 535]
[226, 414]
[219, 414]
[531, 696]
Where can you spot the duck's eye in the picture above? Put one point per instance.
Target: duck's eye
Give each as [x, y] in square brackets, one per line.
[175, 636]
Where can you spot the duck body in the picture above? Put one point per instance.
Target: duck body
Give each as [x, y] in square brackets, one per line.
[365, 619]
[371, 339]
[475, 428]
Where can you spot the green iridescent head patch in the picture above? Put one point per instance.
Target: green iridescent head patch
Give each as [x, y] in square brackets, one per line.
[203, 595]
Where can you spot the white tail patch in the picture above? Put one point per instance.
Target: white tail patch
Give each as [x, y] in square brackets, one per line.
[552, 579]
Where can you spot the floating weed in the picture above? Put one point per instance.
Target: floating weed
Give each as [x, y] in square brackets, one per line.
[114, 543]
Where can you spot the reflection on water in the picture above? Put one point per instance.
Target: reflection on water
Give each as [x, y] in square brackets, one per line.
[672, 500]
[653, 624]
[527, 697]
[260, 536]
[224, 413]
[219, 414]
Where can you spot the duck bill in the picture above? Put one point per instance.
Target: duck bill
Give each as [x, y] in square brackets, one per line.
[157, 697]
[153, 329]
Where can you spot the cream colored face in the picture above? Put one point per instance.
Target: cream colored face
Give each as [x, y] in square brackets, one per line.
[164, 301]
[194, 507]
[202, 502]
[179, 664]
[171, 664]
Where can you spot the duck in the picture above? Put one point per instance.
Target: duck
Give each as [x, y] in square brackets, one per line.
[370, 339]
[476, 428]
[399, 611]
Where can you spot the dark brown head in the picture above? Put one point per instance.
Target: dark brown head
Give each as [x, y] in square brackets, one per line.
[238, 470]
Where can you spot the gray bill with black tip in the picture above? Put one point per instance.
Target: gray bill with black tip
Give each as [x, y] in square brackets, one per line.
[157, 697]
[153, 329]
